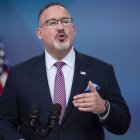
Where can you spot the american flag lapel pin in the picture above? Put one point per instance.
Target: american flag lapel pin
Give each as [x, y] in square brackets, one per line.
[82, 72]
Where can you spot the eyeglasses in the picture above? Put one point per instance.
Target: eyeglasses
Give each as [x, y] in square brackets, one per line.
[54, 22]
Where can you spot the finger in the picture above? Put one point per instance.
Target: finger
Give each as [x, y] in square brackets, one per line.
[85, 109]
[83, 95]
[84, 100]
[91, 87]
[83, 105]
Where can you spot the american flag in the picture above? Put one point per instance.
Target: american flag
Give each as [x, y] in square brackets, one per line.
[4, 70]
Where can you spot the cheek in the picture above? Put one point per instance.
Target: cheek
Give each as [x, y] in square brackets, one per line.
[48, 36]
[71, 35]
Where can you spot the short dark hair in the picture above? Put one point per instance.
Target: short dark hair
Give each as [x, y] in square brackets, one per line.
[49, 5]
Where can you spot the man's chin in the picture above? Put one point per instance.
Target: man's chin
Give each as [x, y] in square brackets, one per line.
[61, 48]
[62, 45]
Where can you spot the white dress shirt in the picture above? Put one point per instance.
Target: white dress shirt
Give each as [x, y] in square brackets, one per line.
[67, 69]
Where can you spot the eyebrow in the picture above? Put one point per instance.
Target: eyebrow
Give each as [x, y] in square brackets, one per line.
[57, 19]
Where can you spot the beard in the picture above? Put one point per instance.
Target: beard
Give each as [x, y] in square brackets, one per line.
[61, 45]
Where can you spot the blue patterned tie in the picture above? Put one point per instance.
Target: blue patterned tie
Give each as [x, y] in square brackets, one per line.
[59, 89]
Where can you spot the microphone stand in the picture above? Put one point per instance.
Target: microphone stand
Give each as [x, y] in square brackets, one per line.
[42, 130]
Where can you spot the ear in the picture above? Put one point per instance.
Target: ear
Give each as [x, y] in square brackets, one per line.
[38, 33]
[74, 29]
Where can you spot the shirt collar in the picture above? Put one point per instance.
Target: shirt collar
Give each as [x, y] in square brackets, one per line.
[69, 59]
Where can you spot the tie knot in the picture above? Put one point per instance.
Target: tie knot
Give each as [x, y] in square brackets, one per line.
[59, 64]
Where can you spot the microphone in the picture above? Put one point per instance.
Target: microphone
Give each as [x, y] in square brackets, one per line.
[34, 115]
[54, 116]
[39, 128]
[52, 120]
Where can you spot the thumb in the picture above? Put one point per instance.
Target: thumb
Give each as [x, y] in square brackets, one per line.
[91, 87]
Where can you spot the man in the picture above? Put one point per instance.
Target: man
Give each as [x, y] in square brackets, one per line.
[92, 99]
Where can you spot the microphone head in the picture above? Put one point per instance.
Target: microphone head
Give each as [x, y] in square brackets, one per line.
[55, 113]
[56, 109]
[35, 107]
[34, 114]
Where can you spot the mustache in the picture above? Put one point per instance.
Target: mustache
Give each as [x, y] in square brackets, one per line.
[62, 33]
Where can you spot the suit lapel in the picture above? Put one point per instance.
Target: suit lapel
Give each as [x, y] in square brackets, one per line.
[38, 74]
[80, 80]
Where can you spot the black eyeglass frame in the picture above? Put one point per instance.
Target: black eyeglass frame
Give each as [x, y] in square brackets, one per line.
[70, 20]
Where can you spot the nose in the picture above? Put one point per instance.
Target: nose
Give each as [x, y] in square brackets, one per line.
[60, 26]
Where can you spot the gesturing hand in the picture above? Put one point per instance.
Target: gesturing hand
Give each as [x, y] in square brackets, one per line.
[90, 102]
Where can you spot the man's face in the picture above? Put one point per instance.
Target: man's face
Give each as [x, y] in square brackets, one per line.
[56, 36]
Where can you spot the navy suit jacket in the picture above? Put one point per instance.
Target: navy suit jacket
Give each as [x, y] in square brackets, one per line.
[27, 84]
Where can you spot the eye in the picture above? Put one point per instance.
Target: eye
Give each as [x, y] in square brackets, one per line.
[66, 21]
[52, 22]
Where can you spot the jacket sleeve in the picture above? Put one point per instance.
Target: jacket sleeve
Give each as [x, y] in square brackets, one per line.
[119, 118]
[9, 119]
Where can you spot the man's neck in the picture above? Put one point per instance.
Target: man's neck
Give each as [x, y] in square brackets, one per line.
[59, 54]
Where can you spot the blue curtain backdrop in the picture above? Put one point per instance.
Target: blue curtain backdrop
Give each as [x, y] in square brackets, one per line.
[107, 29]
